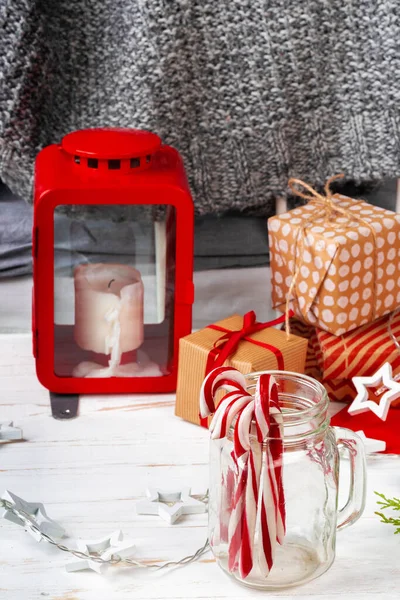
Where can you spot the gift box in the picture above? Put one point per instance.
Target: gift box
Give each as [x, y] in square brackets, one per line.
[359, 352]
[308, 332]
[239, 342]
[355, 354]
[341, 390]
[342, 256]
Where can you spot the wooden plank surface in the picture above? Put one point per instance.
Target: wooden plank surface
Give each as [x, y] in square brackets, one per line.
[90, 471]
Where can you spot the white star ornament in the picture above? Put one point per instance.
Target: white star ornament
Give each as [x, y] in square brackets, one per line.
[361, 403]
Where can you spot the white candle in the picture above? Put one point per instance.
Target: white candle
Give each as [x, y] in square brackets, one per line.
[108, 309]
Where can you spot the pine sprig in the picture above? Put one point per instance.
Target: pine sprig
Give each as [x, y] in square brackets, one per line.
[393, 504]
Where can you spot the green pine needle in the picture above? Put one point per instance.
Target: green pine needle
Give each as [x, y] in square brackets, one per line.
[393, 504]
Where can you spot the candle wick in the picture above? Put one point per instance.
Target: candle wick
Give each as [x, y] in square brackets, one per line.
[110, 283]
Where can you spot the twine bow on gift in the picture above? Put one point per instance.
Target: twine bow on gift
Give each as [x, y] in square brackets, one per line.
[326, 202]
[328, 207]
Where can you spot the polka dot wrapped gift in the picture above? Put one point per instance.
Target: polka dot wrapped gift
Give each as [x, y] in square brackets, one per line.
[335, 261]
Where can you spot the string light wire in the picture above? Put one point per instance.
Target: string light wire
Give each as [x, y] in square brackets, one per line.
[29, 523]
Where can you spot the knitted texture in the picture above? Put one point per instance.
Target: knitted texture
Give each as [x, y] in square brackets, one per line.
[251, 92]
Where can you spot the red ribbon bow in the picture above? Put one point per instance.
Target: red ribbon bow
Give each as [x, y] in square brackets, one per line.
[228, 343]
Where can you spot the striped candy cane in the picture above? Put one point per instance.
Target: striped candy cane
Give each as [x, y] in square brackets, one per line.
[220, 378]
[243, 520]
[272, 506]
[233, 382]
[264, 410]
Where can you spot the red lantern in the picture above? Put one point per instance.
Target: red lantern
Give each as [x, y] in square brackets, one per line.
[113, 263]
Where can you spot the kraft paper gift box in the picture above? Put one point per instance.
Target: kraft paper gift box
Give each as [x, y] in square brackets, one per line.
[267, 349]
[347, 267]
[355, 354]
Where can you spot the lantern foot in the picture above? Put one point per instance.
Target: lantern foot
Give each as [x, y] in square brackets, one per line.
[64, 406]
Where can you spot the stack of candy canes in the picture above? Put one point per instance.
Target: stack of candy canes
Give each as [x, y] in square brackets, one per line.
[252, 503]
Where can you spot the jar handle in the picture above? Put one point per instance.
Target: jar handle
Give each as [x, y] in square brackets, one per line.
[354, 446]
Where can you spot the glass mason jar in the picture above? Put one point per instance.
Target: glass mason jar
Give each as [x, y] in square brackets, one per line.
[310, 472]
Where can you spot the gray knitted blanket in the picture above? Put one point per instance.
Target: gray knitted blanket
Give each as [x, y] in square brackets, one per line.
[251, 92]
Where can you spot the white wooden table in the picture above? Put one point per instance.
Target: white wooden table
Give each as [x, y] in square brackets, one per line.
[90, 471]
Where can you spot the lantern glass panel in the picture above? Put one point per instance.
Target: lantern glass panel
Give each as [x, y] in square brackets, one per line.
[114, 283]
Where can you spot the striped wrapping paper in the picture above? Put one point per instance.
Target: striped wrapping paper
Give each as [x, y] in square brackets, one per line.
[321, 365]
[354, 354]
[342, 390]
[358, 352]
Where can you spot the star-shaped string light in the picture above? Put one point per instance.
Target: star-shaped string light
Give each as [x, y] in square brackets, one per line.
[8, 432]
[93, 554]
[170, 506]
[105, 548]
[34, 513]
[84, 564]
[361, 403]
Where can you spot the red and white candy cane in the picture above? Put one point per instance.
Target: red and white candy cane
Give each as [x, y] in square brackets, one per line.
[220, 378]
[242, 525]
[269, 423]
[247, 452]
[233, 382]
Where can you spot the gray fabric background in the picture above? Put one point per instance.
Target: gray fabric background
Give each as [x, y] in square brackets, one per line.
[219, 242]
[229, 241]
[15, 235]
[249, 91]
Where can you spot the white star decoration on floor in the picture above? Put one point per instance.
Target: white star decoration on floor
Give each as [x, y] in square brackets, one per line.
[36, 514]
[169, 505]
[361, 403]
[372, 445]
[8, 432]
[105, 548]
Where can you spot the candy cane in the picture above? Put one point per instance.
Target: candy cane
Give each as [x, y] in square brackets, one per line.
[272, 517]
[276, 447]
[220, 378]
[234, 383]
[264, 409]
[249, 515]
[228, 408]
[238, 532]
[262, 406]
[242, 525]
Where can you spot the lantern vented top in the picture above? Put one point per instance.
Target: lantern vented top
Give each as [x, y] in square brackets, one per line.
[112, 148]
